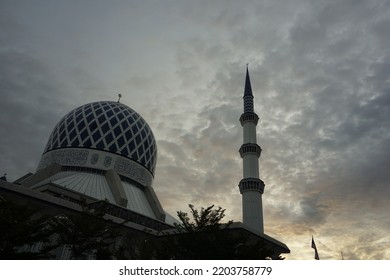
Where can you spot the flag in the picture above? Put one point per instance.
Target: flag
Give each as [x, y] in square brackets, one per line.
[313, 245]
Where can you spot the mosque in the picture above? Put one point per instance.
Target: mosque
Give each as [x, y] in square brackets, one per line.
[106, 151]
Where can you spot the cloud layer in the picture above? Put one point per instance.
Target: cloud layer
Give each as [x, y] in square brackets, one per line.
[319, 73]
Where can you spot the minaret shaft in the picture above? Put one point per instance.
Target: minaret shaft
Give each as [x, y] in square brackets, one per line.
[250, 167]
[249, 130]
[251, 187]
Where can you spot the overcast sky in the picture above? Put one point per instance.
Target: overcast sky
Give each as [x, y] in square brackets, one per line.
[320, 76]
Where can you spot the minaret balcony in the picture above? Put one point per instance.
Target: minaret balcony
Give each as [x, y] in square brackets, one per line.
[249, 117]
[251, 184]
[250, 148]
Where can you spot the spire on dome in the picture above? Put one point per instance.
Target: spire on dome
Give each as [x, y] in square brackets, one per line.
[248, 87]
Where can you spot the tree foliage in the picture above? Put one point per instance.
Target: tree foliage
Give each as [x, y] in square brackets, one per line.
[207, 219]
[202, 235]
[86, 234]
[22, 227]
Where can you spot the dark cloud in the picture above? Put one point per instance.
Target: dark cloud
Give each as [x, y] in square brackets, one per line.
[32, 102]
[203, 161]
[319, 73]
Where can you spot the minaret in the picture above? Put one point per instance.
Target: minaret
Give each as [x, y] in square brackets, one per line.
[251, 187]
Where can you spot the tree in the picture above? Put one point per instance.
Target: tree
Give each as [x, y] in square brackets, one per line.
[22, 227]
[207, 219]
[202, 235]
[87, 233]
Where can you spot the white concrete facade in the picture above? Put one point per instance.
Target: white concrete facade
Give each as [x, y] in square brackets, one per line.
[252, 210]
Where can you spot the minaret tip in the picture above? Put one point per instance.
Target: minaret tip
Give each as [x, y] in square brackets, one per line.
[248, 87]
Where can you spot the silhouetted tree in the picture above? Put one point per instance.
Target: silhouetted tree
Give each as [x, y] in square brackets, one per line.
[137, 246]
[87, 233]
[202, 235]
[21, 228]
[207, 219]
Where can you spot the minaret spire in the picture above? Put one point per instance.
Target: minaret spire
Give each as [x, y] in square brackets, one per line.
[248, 87]
[248, 95]
[251, 187]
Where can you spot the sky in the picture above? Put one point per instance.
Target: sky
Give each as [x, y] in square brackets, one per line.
[320, 77]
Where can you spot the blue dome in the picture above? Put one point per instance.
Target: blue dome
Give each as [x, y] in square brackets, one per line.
[107, 126]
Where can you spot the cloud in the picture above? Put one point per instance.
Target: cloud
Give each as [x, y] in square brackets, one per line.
[319, 72]
[28, 110]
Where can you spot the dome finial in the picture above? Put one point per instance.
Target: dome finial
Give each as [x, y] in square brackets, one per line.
[119, 97]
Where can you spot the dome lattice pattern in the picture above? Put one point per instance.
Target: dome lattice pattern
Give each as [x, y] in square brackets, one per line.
[108, 126]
